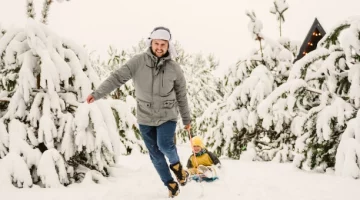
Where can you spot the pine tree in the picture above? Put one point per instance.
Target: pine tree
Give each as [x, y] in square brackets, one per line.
[247, 84]
[48, 135]
[322, 95]
[211, 126]
[202, 88]
[6, 79]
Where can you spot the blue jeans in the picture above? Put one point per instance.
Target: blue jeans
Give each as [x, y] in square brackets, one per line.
[159, 140]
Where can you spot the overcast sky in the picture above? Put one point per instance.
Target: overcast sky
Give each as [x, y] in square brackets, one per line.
[207, 26]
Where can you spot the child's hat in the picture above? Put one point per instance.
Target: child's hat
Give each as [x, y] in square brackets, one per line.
[197, 141]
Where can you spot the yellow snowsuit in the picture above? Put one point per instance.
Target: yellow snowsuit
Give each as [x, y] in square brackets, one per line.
[204, 157]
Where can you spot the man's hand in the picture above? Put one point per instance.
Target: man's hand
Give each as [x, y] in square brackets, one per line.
[188, 127]
[90, 99]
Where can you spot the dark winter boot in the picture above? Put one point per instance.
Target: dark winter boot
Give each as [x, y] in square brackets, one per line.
[173, 188]
[181, 175]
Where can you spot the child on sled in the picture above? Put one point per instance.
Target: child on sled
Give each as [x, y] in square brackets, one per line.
[205, 165]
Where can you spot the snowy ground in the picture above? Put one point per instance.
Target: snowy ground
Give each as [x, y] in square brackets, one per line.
[136, 179]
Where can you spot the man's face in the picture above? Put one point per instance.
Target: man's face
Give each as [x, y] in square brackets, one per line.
[159, 47]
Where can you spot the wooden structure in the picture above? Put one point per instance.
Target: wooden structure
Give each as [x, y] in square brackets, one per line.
[315, 34]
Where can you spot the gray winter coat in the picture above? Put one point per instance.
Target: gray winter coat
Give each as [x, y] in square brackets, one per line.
[160, 88]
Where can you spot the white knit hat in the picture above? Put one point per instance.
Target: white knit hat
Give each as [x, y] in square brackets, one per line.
[162, 33]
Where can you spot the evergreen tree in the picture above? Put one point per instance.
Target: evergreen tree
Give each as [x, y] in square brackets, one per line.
[247, 84]
[322, 96]
[48, 135]
[43, 127]
[7, 79]
[202, 88]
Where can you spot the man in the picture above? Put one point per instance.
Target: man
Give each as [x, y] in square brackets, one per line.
[160, 89]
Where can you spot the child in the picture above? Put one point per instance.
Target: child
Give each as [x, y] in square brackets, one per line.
[205, 163]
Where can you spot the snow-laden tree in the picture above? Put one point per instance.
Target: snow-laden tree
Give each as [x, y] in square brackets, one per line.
[211, 124]
[7, 80]
[322, 94]
[202, 87]
[201, 84]
[46, 125]
[9, 75]
[48, 135]
[268, 70]
[248, 83]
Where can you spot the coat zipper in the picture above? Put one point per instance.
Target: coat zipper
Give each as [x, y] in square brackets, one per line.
[152, 85]
[163, 78]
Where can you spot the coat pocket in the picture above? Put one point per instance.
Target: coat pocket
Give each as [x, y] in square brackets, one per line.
[170, 109]
[143, 109]
[168, 104]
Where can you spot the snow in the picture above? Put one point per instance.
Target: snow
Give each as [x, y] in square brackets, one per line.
[250, 153]
[338, 109]
[354, 78]
[257, 86]
[295, 72]
[324, 41]
[346, 157]
[279, 7]
[348, 152]
[52, 169]
[84, 137]
[135, 178]
[4, 139]
[13, 167]
[255, 26]
[278, 109]
[65, 131]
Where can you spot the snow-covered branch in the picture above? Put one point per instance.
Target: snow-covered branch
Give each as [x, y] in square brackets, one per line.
[14, 171]
[45, 11]
[52, 169]
[280, 6]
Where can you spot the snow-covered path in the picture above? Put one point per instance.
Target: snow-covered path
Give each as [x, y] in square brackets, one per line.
[137, 180]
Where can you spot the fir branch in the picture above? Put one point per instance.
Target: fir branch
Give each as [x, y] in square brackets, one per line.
[30, 10]
[313, 90]
[45, 11]
[277, 10]
[332, 38]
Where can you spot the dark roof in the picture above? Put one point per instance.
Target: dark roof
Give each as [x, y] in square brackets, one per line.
[317, 28]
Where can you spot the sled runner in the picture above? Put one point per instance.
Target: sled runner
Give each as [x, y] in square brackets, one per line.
[207, 174]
